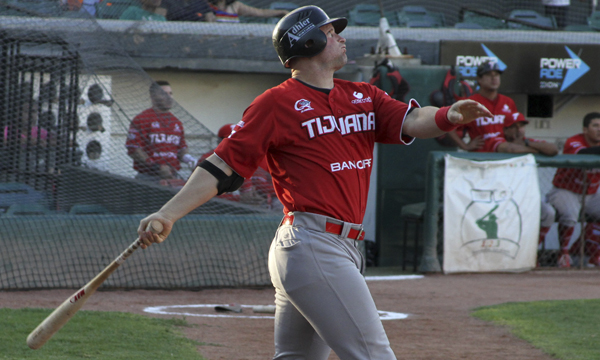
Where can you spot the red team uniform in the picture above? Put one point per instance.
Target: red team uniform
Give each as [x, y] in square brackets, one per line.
[566, 198]
[303, 130]
[160, 135]
[572, 179]
[490, 128]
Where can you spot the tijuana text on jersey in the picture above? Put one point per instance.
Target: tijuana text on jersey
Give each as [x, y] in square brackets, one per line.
[160, 135]
[318, 145]
[490, 128]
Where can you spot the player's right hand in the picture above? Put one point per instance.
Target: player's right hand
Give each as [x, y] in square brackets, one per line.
[165, 172]
[147, 237]
[465, 111]
[475, 144]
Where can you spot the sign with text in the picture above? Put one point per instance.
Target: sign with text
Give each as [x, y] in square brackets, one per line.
[529, 68]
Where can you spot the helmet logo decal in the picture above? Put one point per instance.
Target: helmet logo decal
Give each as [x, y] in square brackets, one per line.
[298, 30]
[303, 105]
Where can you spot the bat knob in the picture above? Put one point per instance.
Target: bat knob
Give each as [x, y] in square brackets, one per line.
[155, 226]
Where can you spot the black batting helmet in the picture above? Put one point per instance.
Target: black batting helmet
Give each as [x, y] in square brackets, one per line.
[297, 34]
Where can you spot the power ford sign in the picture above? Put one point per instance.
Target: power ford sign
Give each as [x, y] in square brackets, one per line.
[563, 72]
[529, 68]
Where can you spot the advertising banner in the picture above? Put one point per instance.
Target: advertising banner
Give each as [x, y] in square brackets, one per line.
[491, 215]
[529, 68]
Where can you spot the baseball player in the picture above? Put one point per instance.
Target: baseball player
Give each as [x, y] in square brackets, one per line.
[156, 140]
[318, 135]
[484, 130]
[514, 141]
[566, 194]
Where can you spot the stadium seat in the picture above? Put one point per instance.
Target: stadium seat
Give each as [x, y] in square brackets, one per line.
[532, 17]
[419, 16]
[26, 210]
[578, 27]
[17, 193]
[88, 209]
[412, 214]
[424, 23]
[364, 15]
[594, 20]
[467, 25]
[487, 22]
[280, 6]
[283, 6]
[112, 9]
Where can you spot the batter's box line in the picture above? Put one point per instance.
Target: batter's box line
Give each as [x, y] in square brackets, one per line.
[168, 310]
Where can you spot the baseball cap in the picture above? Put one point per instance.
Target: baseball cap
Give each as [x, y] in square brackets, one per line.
[515, 118]
[488, 66]
[225, 131]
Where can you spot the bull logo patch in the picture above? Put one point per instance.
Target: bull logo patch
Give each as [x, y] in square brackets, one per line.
[303, 105]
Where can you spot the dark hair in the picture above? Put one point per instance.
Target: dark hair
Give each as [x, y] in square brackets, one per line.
[589, 117]
[157, 85]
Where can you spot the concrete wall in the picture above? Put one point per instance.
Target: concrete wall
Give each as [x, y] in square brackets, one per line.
[216, 99]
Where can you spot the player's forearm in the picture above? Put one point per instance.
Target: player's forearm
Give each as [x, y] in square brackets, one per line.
[511, 148]
[199, 188]
[138, 155]
[545, 148]
[420, 123]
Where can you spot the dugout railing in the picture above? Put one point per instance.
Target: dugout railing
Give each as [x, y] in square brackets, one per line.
[432, 251]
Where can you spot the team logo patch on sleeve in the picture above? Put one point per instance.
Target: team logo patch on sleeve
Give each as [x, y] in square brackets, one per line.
[302, 105]
[359, 98]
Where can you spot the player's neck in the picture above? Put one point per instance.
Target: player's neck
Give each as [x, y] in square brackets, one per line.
[160, 111]
[590, 141]
[318, 78]
[488, 94]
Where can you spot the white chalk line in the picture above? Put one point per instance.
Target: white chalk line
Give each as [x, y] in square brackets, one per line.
[393, 277]
[167, 310]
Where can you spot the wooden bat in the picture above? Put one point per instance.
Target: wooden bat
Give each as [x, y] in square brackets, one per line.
[62, 314]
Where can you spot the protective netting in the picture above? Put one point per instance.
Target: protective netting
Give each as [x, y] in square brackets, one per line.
[69, 195]
[69, 91]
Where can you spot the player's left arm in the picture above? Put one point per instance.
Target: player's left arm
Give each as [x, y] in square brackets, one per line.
[545, 148]
[431, 121]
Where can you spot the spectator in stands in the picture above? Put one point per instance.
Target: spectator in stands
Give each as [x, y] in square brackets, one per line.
[146, 12]
[156, 140]
[188, 10]
[231, 10]
[28, 119]
[483, 131]
[258, 190]
[558, 9]
[566, 194]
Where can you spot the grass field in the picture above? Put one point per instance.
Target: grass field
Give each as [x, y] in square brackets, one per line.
[567, 330]
[96, 335]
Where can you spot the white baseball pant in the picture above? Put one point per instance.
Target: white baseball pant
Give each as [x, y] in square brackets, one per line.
[568, 205]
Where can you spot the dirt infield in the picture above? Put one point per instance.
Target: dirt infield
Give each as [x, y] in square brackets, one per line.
[438, 326]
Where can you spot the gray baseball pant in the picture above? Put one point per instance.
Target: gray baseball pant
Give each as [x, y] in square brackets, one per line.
[321, 297]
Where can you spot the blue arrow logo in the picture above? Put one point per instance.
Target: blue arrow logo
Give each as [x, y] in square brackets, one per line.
[575, 73]
[489, 53]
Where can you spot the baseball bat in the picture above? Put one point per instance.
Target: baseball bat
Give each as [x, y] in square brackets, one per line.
[62, 314]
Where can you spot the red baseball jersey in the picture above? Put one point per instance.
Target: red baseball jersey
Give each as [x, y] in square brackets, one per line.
[318, 143]
[490, 128]
[160, 135]
[572, 179]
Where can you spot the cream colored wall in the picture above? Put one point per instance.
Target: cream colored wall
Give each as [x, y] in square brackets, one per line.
[566, 122]
[216, 99]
